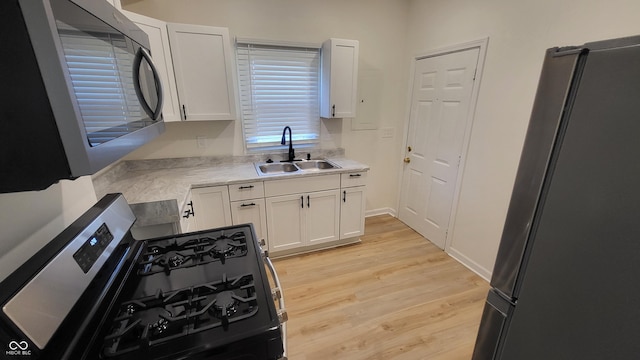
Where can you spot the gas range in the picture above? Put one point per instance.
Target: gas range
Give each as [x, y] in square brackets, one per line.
[200, 295]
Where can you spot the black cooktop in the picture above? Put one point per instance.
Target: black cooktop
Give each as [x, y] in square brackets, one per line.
[194, 293]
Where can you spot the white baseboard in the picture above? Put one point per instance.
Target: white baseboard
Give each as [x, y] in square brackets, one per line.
[470, 264]
[380, 211]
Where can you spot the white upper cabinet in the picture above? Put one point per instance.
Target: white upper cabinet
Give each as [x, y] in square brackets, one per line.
[202, 62]
[339, 78]
[161, 54]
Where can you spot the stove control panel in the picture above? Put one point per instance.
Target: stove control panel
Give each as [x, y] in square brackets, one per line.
[91, 250]
[39, 308]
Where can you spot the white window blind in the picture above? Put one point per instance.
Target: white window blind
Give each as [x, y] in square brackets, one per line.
[279, 86]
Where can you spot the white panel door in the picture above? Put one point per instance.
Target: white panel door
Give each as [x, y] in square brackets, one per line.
[440, 102]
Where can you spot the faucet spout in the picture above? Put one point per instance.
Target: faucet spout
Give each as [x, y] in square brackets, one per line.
[292, 154]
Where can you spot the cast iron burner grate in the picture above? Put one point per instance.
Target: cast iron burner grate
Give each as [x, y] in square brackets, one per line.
[153, 320]
[176, 253]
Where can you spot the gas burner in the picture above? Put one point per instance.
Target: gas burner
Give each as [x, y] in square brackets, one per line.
[176, 260]
[226, 303]
[175, 253]
[153, 318]
[164, 317]
[159, 326]
[225, 247]
[131, 309]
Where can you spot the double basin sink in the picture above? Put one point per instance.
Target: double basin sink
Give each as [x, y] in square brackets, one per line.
[295, 166]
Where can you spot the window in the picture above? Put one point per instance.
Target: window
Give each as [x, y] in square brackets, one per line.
[279, 86]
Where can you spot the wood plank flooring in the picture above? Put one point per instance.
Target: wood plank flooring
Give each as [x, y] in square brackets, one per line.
[393, 296]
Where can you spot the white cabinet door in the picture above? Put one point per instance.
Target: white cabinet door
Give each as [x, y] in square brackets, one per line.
[211, 207]
[322, 216]
[203, 67]
[339, 78]
[352, 212]
[284, 222]
[161, 54]
[251, 211]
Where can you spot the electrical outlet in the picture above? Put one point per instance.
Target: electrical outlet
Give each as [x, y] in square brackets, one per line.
[387, 133]
[201, 141]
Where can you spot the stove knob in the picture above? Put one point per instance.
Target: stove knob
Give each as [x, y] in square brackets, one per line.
[276, 294]
[263, 243]
[282, 316]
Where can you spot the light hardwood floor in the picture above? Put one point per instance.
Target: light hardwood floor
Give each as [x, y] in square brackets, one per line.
[392, 296]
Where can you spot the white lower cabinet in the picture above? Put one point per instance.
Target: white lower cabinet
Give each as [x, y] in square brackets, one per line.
[352, 212]
[211, 207]
[303, 219]
[251, 211]
[291, 215]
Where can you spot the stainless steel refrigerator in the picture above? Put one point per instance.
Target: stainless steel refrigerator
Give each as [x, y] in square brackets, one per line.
[566, 283]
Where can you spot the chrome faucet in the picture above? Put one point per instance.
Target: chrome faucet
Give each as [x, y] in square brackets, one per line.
[292, 154]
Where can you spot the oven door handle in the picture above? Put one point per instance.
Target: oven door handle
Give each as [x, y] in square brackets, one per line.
[282, 313]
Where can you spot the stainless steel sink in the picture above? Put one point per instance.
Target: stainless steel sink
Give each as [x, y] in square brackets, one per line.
[315, 165]
[287, 167]
[276, 168]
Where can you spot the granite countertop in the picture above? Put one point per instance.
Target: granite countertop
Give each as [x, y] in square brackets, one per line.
[156, 195]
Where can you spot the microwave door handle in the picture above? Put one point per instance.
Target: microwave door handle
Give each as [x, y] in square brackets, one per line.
[137, 62]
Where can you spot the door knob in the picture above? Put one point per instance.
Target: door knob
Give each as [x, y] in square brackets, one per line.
[407, 160]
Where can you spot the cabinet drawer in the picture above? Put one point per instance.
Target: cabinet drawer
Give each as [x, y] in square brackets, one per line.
[353, 179]
[301, 185]
[245, 191]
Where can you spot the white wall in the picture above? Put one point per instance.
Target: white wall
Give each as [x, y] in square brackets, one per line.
[29, 220]
[379, 25]
[519, 32]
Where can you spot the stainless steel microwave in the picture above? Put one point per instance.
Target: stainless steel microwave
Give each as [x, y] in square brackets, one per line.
[78, 90]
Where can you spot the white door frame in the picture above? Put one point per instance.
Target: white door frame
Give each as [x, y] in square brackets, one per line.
[482, 45]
